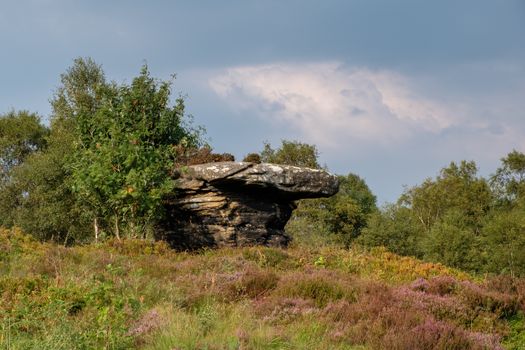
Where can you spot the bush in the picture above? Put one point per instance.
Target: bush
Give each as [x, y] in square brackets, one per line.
[193, 156]
[452, 242]
[321, 287]
[253, 284]
[252, 158]
[394, 228]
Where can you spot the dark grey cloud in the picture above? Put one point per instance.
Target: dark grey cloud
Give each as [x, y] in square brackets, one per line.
[464, 57]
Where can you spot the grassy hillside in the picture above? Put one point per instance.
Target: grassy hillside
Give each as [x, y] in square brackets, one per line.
[139, 294]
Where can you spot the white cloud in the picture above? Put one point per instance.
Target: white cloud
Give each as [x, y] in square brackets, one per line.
[332, 105]
[390, 128]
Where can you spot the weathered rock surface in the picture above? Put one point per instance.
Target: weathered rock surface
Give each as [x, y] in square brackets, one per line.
[238, 203]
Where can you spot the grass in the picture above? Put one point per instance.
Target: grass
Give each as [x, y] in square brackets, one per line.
[142, 295]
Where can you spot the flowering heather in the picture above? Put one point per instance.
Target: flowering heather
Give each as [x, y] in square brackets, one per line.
[138, 294]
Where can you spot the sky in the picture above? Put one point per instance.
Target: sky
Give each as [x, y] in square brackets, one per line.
[391, 90]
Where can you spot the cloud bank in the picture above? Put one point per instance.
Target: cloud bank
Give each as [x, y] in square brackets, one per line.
[338, 107]
[392, 128]
[333, 105]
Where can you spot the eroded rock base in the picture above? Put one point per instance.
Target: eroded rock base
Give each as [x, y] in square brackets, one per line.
[213, 217]
[238, 203]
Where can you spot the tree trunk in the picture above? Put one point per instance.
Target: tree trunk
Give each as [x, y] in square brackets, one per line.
[117, 228]
[95, 226]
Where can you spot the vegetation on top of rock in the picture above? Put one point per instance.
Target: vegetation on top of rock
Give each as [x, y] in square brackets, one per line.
[291, 153]
[199, 155]
[252, 158]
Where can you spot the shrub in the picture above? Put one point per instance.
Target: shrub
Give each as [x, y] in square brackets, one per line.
[321, 287]
[252, 158]
[132, 246]
[253, 284]
[266, 257]
[501, 304]
[194, 156]
[433, 334]
[282, 309]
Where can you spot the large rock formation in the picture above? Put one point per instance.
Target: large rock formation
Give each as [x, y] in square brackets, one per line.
[238, 203]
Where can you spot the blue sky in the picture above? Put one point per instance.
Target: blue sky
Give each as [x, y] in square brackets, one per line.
[391, 90]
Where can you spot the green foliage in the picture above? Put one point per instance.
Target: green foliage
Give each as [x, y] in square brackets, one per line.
[348, 211]
[21, 133]
[291, 153]
[457, 187]
[80, 92]
[453, 242]
[504, 239]
[125, 151]
[516, 339]
[396, 228]
[441, 220]
[252, 158]
[458, 220]
[39, 198]
[39, 192]
[343, 215]
[338, 219]
[104, 163]
[23, 139]
[509, 180]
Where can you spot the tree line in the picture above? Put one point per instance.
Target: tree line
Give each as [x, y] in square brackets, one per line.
[102, 167]
[459, 218]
